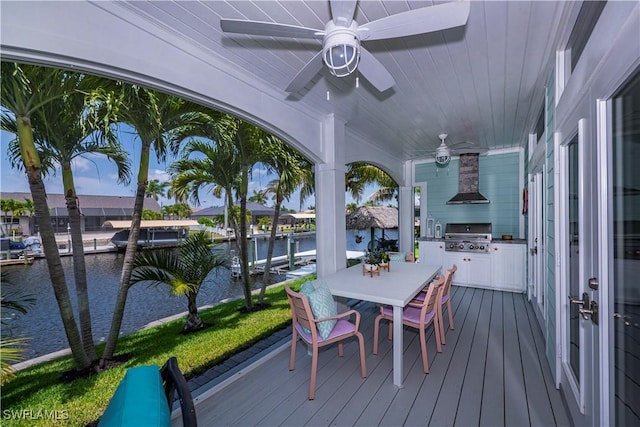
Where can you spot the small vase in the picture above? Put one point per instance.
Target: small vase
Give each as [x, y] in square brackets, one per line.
[371, 269]
[385, 266]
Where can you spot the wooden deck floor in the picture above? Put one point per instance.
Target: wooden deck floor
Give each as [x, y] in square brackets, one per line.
[492, 372]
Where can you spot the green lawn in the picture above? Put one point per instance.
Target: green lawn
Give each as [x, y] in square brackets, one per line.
[35, 393]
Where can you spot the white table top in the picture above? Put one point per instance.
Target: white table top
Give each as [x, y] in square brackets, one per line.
[396, 287]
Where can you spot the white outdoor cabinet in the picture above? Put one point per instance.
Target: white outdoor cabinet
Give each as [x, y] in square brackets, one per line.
[474, 269]
[432, 253]
[508, 266]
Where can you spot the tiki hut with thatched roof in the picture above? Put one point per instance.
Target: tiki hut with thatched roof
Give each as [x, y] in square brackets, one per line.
[372, 217]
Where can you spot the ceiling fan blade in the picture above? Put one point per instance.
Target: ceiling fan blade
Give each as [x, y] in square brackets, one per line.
[307, 73]
[470, 150]
[418, 21]
[463, 145]
[271, 29]
[342, 11]
[374, 71]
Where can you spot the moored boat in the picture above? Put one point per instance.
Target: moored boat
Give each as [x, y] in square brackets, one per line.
[153, 233]
[150, 237]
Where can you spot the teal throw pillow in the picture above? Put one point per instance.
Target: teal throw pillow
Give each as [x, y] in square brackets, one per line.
[307, 288]
[322, 305]
[397, 256]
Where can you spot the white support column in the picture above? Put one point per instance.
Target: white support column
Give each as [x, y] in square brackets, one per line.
[331, 237]
[406, 210]
[423, 209]
[405, 218]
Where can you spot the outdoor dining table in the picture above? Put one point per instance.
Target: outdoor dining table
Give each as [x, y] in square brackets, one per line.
[395, 287]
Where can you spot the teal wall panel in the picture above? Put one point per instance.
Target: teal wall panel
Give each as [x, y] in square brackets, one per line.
[499, 181]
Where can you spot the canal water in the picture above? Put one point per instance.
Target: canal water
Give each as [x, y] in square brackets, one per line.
[42, 324]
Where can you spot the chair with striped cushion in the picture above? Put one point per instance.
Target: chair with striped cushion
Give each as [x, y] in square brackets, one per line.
[305, 325]
[417, 314]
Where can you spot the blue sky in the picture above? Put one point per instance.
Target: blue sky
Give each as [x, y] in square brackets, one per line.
[96, 176]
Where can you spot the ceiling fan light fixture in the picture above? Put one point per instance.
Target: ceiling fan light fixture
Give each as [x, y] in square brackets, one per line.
[341, 51]
[443, 159]
[443, 153]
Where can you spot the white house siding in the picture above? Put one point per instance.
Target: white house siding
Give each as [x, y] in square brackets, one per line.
[550, 292]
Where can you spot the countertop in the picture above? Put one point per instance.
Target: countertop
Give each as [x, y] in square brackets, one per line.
[513, 241]
[510, 241]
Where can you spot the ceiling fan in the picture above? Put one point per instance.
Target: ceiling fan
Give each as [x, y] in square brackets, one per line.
[444, 151]
[342, 51]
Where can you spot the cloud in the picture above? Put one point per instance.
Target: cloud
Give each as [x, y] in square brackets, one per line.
[12, 180]
[93, 185]
[159, 174]
[84, 164]
[259, 171]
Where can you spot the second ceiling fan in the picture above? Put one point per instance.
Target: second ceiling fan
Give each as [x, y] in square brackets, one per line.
[341, 37]
[443, 152]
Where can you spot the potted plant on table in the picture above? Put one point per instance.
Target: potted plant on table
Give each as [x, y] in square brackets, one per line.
[373, 261]
[384, 261]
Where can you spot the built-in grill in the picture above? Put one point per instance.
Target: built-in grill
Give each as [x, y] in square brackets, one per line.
[467, 237]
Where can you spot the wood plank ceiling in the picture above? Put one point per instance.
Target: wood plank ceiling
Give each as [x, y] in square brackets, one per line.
[482, 83]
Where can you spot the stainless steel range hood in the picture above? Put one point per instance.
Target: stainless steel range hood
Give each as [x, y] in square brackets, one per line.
[468, 182]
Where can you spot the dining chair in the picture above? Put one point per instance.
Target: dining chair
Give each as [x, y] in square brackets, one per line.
[305, 325]
[419, 314]
[445, 298]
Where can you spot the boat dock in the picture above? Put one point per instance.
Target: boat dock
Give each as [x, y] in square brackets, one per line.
[299, 265]
[21, 260]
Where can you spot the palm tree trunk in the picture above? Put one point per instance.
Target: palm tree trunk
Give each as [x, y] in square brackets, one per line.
[129, 255]
[79, 266]
[242, 240]
[50, 247]
[272, 241]
[194, 322]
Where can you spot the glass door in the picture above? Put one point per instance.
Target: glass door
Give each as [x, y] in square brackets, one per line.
[536, 245]
[578, 239]
[623, 255]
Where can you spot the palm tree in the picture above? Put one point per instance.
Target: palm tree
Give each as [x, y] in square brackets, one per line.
[225, 164]
[148, 214]
[10, 206]
[184, 271]
[74, 136]
[24, 90]
[260, 197]
[246, 140]
[156, 189]
[292, 169]
[10, 348]
[182, 210]
[29, 209]
[388, 190]
[307, 189]
[160, 121]
[360, 174]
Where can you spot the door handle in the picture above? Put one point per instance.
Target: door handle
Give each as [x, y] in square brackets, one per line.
[533, 250]
[588, 309]
[591, 312]
[584, 302]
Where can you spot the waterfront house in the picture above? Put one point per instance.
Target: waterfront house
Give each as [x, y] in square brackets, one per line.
[548, 91]
[257, 211]
[94, 211]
